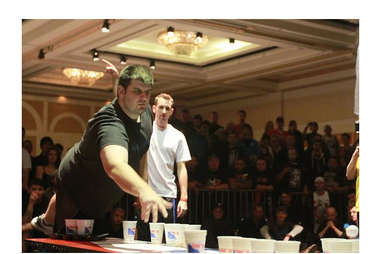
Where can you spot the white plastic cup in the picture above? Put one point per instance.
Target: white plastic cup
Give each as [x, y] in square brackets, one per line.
[156, 230]
[85, 227]
[262, 245]
[71, 226]
[195, 240]
[242, 245]
[174, 234]
[225, 243]
[344, 246]
[129, 230]
[193, 227]
[287, 246]
[325, 241]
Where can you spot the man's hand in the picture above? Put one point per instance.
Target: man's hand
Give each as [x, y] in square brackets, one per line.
[152, 203]
[33, 197]
[330, 224]
[286, 238]
[182, 208]
[110, 68]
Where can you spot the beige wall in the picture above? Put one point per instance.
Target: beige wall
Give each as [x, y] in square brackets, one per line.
[64, 120]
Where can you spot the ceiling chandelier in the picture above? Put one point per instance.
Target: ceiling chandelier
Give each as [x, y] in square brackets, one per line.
[182, 42]
[78, 75]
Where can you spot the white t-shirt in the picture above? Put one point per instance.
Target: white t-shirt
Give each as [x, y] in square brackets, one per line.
[321, 202]
[167, 147]
[26, 161]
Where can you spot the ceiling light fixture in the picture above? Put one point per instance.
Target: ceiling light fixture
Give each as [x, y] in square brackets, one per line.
[182, 42]
[152, 64]
[231, 40]
[95, 55]
[106, 26]
[41, 54]
[78, 75]
[123, 60]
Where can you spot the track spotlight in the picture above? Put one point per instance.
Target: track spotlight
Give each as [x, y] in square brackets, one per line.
[152, 64]
[123, 60]
[95, 56]
[231, 40]
[41, 54]
[198, 37]
[170, 31]
[106, 26]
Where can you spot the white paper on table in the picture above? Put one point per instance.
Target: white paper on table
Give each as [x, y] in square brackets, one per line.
[150, 247]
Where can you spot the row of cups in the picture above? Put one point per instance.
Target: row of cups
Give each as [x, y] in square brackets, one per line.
[176, 235]
[237, 244]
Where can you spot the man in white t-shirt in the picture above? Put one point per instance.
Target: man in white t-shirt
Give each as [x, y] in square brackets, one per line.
[167, 147]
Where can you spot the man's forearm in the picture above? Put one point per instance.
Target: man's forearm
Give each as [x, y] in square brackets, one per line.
[351, 169]
[143, 171]
[182, 174]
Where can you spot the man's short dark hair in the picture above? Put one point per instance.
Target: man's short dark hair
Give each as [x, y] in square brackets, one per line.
[45, 140]
[279, 119]
[243, 112]
[135, 72]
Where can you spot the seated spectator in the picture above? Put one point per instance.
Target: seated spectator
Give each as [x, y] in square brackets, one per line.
[214, 122]
[263, 180]
[352, 220]
[112, 224]
[281, 228]
[321, 201]
[265, 151]
[330, 141]
[217, 225]
[42, 159]
[240, 178]
[333, 176]
[215, 178]
[48, 171]
[34, 203]
[247, 146]
[330, 228]
[293, 210]
[194, 174]
[292, 177]
[298, 137]
[249, 227]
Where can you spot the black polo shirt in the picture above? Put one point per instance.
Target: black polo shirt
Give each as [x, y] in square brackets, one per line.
[81, 172]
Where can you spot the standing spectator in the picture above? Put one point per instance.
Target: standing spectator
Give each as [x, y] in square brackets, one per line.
[232, 149]
[240, 178]
[249, 227]
[333, 176]
[263, 180]
[217, 225]
[27, 144]
[247, 146]
[26, 164]
[48, 171]
[194, 173]
[197, 121]
[330, 228]
[315, 160]
[279, 152]
[42, 159]
[293, 131]
[59, 148]
[346, 146]
[310, 137]
[241, 116]
[330, 141]
[215, 178]
[292, 176]
[321, 201]
[269, 127]
[279, 129]
[214, 122]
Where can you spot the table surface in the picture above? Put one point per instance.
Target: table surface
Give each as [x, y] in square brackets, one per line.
[107, 245]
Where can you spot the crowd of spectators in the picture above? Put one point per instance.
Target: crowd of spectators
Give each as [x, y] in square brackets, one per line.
[283, 162]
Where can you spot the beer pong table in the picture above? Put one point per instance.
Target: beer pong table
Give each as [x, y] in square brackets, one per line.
[116, 245]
